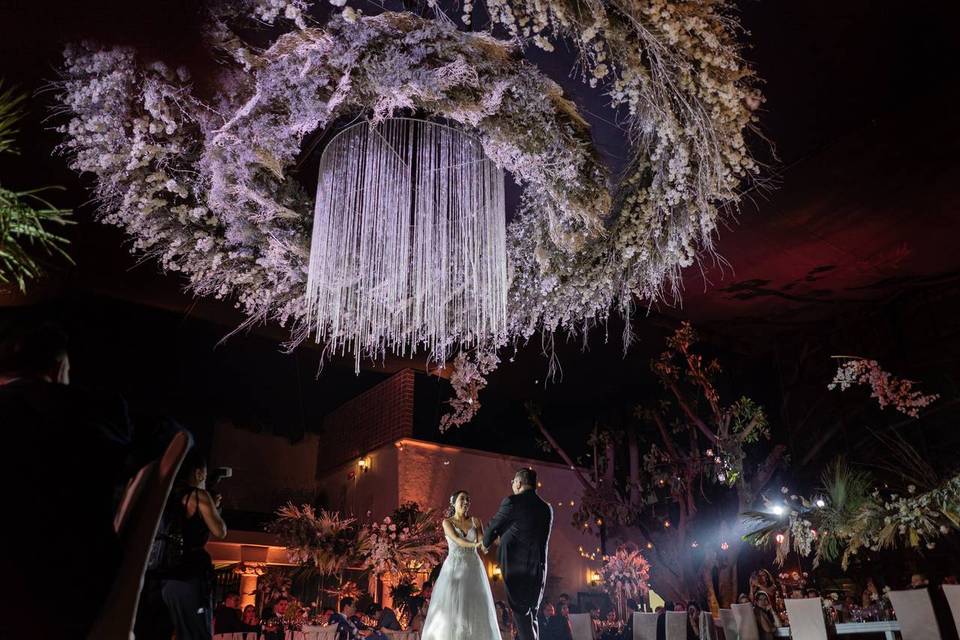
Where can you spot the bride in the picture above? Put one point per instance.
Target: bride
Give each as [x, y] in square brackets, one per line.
[462, 606]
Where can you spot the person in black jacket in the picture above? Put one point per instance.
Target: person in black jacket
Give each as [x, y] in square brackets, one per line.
[523, 525]
[70, 453]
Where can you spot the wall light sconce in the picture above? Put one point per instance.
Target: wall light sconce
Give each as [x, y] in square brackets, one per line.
[594, 578]
[364, 464]
[495, 572]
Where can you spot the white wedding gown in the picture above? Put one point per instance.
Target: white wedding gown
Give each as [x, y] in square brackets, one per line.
[461, 607]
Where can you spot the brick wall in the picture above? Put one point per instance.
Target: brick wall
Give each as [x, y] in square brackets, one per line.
[381, 415]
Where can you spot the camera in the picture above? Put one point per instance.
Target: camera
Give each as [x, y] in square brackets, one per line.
[217, 474]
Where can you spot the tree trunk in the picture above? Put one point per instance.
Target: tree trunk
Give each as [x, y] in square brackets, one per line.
[633, 451]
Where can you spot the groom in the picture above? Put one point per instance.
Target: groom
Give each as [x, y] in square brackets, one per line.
[523, 525]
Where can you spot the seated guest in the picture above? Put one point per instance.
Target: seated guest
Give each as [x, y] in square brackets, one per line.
[349, 625]
[248, 620]
[870, 595]
[547, 611]
[559, 627]
[595, 620]
[416, 622]
[564, 599]
[386, 618]
[813, 593]
[767, 620]
[71, 452]
[419, 601]
[610, 627]
[226, 618]
[693, 621]
[668, 605]
[274, 619]
[743, 599]
[504, 620]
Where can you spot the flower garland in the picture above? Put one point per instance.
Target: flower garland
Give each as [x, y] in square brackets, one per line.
[885, 387]
[469, 377]
[206, 185]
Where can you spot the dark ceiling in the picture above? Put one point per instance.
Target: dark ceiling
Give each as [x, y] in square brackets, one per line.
[863, 207]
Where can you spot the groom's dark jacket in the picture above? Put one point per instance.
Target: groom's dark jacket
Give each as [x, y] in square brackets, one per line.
[523, 525]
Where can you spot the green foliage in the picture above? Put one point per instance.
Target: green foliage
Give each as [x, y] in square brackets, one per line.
[749, 420]
[22, 228]
[25, 217]
[11, 111]
[847, 494]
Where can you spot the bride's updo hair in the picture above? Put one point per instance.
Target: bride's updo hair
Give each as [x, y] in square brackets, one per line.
[451, 509]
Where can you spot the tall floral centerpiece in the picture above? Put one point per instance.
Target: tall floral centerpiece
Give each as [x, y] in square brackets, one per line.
[624, 575]
[402, 545]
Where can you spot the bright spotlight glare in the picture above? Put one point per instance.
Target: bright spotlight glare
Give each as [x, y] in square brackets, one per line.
[777, 510]
[821, 503]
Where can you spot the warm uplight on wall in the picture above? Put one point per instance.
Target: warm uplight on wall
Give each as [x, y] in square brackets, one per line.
[364, 464]
[593, 577]
[493, 570]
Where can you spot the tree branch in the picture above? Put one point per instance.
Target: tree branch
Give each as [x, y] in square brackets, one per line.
[665, 435]
[764, 473]
[535, 419]
[688, 411]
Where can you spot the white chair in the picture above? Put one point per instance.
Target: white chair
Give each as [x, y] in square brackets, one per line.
[915, 614]
[952, 592]
[644, 625]
[581, 626]
[319, 632]
[729, 625]
[676, 625]
[401, 635]
[806, 619]
[136, 522]
[707, 628]
[746, 621]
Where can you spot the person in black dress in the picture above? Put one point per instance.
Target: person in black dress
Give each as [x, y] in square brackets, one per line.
[186, 589]
[523, 525]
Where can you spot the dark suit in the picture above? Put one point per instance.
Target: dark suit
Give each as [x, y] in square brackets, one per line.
[388, 620]
[523, 525]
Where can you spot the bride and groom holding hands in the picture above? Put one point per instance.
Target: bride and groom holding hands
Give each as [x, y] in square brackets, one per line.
[462, 605]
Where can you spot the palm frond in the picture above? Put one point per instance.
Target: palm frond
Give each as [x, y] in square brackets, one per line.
[11, 112]
[24, 228]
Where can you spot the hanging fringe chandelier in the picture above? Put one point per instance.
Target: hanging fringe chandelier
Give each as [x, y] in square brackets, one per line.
[408, 248]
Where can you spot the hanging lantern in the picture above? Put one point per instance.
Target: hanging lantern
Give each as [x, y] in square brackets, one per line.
[409, 249]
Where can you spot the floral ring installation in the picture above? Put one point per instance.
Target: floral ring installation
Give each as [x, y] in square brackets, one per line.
[203, 178]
